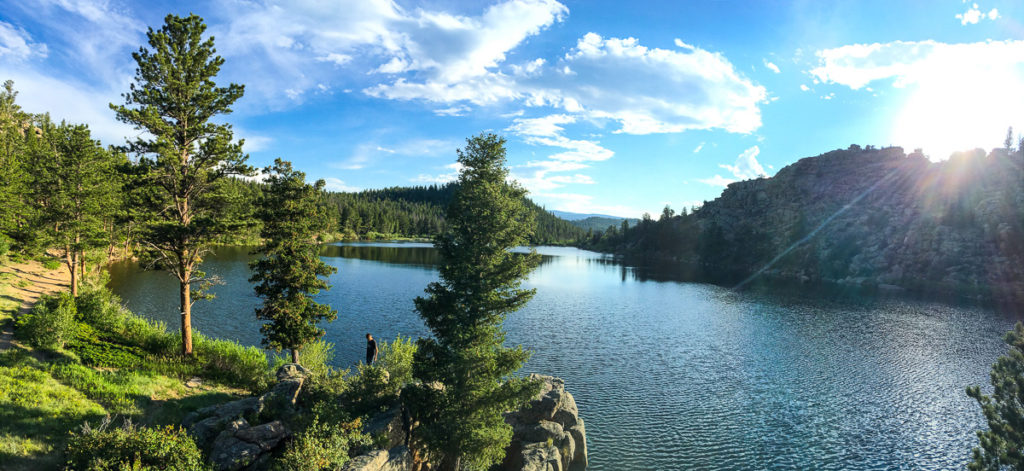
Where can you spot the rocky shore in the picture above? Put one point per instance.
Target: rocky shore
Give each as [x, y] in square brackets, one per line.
[242, 435]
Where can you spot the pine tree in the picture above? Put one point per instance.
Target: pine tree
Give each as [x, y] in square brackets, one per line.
[461, 421]
[1002, 445]
[290, 270]
[15, 133]
[76, 188]
[174, 100]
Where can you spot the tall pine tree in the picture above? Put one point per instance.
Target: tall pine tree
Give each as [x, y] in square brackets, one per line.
[289, 271]
[15, 133]
[1002, 445]
[174, 99]
[461, 422]
[76, 189]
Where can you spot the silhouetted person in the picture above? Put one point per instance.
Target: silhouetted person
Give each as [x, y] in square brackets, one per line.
[371, 349]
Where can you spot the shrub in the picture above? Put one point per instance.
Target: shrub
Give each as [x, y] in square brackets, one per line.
[51, 263]
[322, 446]
[102, 309]
[315, 357]
[234, 364]
[5, 245]
[51, 322]
[396, 358]
[368, 391]
[135, 448]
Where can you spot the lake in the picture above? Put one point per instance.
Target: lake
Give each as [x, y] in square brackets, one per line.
[674, 375]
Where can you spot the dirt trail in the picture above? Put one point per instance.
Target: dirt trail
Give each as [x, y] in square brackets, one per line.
[30, 280]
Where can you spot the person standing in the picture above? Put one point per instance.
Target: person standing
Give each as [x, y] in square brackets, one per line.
[371, 349]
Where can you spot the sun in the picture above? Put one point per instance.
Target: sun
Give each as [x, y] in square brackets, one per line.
[958, 110]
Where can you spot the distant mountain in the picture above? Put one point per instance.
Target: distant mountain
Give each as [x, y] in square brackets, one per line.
[601, 223]
[568, 216]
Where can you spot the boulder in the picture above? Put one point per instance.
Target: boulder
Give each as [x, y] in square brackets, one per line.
[396, 459]
[390, 424]
[547, 433]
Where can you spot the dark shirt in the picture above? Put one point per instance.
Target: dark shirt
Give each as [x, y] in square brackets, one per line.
[371, 348]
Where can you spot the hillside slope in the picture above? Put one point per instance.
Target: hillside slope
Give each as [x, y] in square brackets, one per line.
[875, 217]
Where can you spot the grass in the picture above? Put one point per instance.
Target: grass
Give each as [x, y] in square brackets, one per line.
[118, 365]
[8, 303]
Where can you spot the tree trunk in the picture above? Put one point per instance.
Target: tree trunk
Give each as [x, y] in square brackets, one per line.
[71, 262]
[295, 355]
[186, 319]
[450, 463]
[81, 264]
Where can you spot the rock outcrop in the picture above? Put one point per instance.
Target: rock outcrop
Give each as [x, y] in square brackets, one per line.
[548, 434]
[225, 431]
[876, 218]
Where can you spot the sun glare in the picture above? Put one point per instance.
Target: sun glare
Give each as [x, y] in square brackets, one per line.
[960, 110]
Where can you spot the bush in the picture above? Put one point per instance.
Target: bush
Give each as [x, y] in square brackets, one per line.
[227, 361]
[102, 309]
[51, 322]
[5, 245]
[135, 448]
[315, 357]
[396, 358]
[323, 446]
[369, 391]
[51, 263]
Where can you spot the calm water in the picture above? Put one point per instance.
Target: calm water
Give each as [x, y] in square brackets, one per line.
[672, 375]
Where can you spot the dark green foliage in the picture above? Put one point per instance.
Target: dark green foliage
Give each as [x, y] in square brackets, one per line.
[16, 135]
[461, 421]
[1002, 445]
[323, 445]
[419, 212]
[289, 272]
[93, 350]
[108, 448]
[50, 323]
[186, 154]
[75, 188]
[368, 391]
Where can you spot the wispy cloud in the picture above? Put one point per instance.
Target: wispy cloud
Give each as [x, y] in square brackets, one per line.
[770, 66]
[745, 168]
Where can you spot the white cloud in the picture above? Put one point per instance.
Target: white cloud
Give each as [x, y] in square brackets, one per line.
[68, 100]
[334, 184]
[650, 90]
[698, 148]
[683, 45]
[770, 66]
[804, 87]
[450, 176]
[974, 14]
[717, 180]
[458, 110]
[17, 45]
[334, 57]
[746, 166]
[957, 93]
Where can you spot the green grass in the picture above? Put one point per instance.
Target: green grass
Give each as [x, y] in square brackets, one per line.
[116, 364]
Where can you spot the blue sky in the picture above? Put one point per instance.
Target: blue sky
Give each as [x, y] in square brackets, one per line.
[609, 107]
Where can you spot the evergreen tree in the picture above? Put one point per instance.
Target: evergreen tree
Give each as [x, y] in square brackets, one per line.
[15, 132]
[461, 421]
[290, 270]
[188, 156]
[1002, 445]
[76, 188]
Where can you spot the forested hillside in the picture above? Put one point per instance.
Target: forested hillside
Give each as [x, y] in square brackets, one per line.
[866, 217]
[419, 212]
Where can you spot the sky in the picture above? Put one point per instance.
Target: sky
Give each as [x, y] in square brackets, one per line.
[608, 107]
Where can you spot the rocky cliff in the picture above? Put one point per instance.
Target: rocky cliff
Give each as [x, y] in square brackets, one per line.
[867, 217]
[880, 217]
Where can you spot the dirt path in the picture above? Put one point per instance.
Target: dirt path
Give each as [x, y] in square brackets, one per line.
[21, 285]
